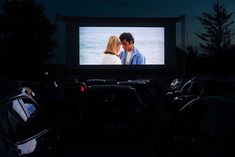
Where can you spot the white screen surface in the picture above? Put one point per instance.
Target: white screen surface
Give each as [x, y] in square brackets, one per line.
[150, 41]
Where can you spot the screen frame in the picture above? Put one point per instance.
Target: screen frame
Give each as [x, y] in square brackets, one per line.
[72, 39]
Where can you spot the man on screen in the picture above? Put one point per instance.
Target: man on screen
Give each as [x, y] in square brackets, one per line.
[130, 55]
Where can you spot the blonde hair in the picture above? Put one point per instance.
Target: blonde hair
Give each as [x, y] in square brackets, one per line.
[112, 45]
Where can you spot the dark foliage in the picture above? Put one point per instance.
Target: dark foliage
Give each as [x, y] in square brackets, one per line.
[26, 39]
[193, 63]
[218, 54]
[217, 32]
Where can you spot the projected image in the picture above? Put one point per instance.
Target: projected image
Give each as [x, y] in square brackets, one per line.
[138, 46]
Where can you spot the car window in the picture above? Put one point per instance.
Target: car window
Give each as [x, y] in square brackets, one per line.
[16, 106]
[29, 106]
[20, 119]
[13, 119]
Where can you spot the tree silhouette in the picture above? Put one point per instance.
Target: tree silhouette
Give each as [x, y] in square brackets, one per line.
[217, 32]
[26, 38]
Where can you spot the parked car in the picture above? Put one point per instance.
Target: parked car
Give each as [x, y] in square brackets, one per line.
[114, 110]
[199, 86]
[205, 127]
[23, 125]
[90, 82]
[144, 91]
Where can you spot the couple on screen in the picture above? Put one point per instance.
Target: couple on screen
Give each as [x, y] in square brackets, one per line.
[130, 55]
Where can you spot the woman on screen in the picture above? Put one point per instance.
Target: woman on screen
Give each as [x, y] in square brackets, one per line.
[110, 55]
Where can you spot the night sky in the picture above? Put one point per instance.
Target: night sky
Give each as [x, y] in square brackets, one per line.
[139, 8]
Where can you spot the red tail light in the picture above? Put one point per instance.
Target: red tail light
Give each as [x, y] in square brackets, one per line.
[82, 88]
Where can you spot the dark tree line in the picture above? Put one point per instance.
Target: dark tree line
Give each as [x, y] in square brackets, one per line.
[218, 53]
[217, 33]
[26, 39]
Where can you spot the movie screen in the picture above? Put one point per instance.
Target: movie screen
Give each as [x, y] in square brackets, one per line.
[148, 46]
